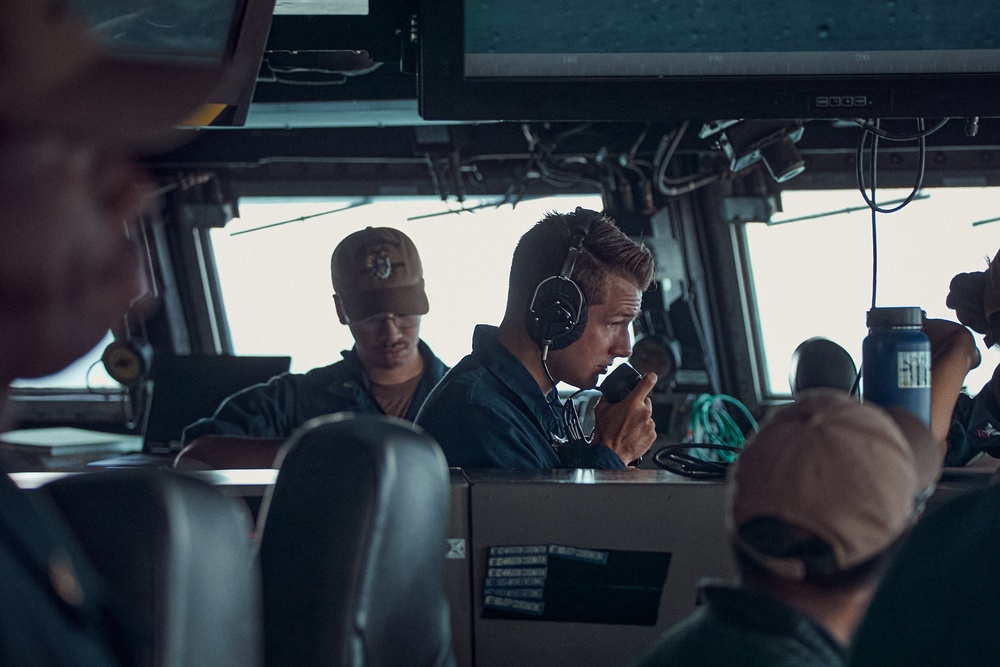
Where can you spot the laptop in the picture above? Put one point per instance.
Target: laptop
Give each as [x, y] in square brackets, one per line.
[187, 388]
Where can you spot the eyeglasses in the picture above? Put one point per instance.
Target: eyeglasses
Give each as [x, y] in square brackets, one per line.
[376, 322]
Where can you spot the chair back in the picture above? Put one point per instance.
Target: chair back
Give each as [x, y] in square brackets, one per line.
[179, 557]
[940, 597]
[353, 543]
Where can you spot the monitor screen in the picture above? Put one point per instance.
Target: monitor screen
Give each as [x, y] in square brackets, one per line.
[187, 388]
[660, 59]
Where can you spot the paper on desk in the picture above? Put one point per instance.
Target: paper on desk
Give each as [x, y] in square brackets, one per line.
[60, 440]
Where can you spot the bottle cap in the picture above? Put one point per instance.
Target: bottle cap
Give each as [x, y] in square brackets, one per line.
[902, 316]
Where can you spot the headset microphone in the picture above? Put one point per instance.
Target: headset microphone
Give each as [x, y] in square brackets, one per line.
[557, 315]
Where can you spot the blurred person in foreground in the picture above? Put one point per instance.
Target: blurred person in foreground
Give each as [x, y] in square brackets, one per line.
[819, 501]
[71, 113]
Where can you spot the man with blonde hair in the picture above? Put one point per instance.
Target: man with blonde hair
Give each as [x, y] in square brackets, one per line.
[576, 284]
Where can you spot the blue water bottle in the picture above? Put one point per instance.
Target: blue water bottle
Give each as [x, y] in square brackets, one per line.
[896, 361]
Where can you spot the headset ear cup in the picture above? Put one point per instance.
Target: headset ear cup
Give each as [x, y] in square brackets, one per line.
[128, 362]
[558, 313]
[573, 334]
[820, 362]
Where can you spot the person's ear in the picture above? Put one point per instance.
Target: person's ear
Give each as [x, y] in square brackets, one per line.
[341, 313]
[125, 187]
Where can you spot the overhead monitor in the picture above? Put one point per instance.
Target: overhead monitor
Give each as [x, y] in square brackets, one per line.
[666, 59]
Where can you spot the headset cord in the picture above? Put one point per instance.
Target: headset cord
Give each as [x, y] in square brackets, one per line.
[572, 421]
[565, 411]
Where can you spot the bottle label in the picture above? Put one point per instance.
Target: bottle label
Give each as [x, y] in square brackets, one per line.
[914, 369]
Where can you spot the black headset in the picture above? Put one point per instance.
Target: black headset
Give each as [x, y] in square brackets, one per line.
[128, 361]
[557, 314]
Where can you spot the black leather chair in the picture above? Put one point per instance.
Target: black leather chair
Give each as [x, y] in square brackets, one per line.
[940, 597]
[353, 542]
[180, 558]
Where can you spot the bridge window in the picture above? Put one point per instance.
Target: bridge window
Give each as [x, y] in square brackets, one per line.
[811, 267]
[276, 278]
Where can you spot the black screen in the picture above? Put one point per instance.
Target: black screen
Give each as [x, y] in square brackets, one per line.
[708, 59]
[642, 38]
[187, 388]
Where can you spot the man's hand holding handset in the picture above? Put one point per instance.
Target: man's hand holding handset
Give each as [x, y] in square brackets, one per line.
[623, 419]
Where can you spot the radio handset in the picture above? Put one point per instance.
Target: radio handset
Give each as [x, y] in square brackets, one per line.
[617, 386]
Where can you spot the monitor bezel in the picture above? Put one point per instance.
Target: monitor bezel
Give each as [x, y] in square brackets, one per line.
[445, 93]
[247, 49]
